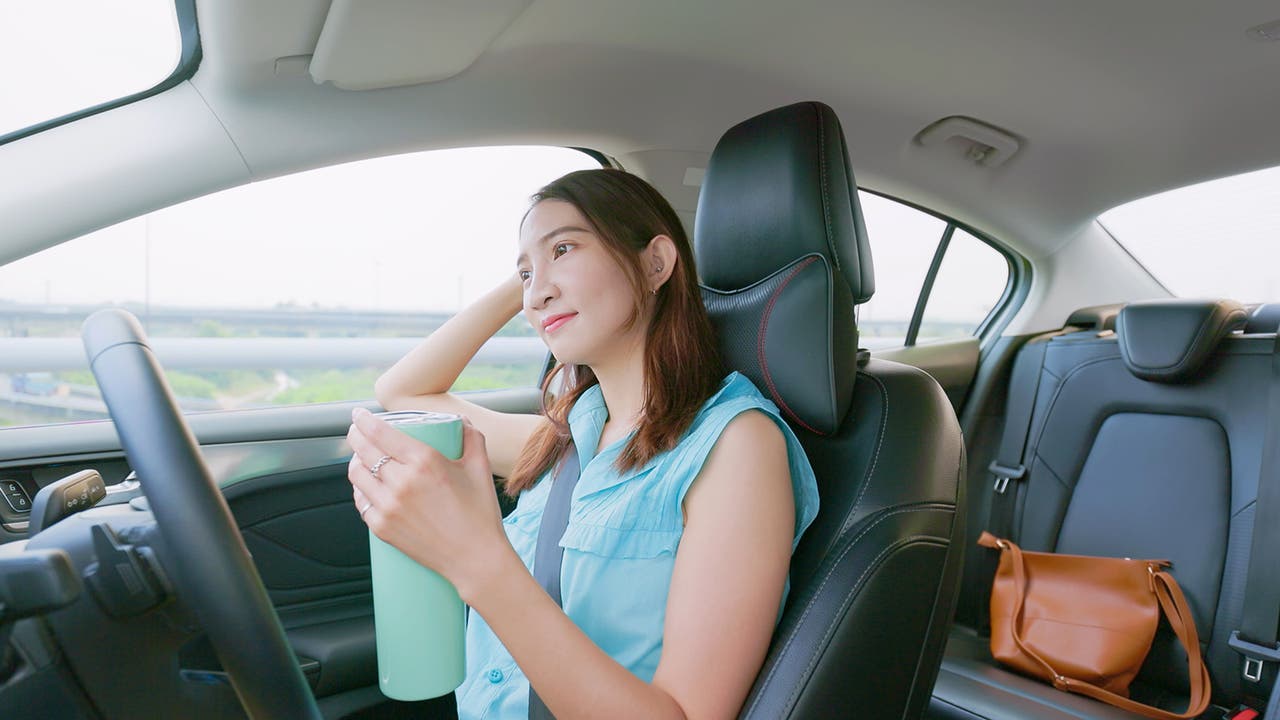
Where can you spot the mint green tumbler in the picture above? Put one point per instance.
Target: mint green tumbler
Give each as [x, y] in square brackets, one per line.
[419, 620]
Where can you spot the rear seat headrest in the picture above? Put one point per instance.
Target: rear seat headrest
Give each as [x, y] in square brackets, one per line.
[1264, 319]
[1096, 317]
[1168, 340]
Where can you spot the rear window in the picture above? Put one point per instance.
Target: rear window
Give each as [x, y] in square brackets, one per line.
[64, 56]
[1215, 239]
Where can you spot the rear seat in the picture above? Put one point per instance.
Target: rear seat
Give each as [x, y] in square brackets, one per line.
[1145, 442]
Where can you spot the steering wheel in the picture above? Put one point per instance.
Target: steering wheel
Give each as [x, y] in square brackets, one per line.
[213, 574]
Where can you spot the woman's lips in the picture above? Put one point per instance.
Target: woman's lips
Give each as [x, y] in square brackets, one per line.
[554, 322]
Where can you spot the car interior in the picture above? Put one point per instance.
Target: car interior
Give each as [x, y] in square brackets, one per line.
[918, 229]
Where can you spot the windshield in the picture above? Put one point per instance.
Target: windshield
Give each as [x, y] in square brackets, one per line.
[75, 54]
[1216, 239]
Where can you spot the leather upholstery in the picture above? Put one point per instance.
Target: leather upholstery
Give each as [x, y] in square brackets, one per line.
[1095, 317]
[1168, 340]
[792, 333]
[1123, 467]
[783, 257]
[778, 187]
[972, 686]
[1263, 318]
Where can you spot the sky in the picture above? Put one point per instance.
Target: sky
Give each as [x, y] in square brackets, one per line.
[423, 231]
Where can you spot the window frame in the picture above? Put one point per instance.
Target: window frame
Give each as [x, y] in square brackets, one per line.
[188, 62]
[1016, 286]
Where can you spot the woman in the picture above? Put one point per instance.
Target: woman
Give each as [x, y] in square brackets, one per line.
[692, 494]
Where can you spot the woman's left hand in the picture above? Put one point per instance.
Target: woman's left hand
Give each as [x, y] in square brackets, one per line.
[442, 513]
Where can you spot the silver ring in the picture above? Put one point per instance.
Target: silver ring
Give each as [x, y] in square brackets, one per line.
[365, 509]
[378, 466]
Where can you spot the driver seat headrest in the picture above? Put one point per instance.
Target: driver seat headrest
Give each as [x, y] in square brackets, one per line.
[783, 256]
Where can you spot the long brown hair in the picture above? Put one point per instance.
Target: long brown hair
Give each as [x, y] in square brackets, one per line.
[682, 366]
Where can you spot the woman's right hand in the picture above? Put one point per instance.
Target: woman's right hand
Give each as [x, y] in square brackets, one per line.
[442, 513]
[422, 378]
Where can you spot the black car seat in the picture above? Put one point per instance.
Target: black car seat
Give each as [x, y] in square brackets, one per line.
[784, 259]
[1145, 442]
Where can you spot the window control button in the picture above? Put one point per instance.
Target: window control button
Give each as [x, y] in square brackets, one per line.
[18, 501]
[16, 496]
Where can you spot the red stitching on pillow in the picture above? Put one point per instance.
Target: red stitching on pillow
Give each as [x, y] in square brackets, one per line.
[760, 355]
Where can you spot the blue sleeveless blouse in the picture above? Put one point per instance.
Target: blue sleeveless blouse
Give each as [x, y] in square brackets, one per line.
[620, 545]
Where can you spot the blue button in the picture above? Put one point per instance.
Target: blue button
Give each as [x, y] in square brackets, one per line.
[495, 676]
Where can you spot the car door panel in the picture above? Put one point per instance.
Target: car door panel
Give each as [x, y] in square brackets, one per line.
[283, 473]
[953, 363]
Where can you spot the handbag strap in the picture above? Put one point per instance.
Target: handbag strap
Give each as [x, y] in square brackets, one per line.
[1175, 607]
[548, 556]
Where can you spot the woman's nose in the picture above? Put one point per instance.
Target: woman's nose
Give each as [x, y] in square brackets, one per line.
[540, 292]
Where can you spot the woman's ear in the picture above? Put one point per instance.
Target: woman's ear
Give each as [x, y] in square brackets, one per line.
[660, 261]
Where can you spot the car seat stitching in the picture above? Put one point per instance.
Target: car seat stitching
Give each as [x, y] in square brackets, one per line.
[1056, 475]
[844, 605]
[809, 607]
[823, 186]
[967, 712]
[1057, 393]
[1185, 356]
[1205, 325]
[1240, 512]
[875, 460]
[760, 346]
[1022, 515]
[1033, 449]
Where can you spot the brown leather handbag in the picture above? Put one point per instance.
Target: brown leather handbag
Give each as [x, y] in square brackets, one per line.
[1086, 624]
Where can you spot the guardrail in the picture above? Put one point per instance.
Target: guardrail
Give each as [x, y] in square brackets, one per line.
[57, 354]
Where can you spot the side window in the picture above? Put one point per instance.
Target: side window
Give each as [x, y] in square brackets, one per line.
[934, 279]
[300, 289]
[903, 241]
[970, 283]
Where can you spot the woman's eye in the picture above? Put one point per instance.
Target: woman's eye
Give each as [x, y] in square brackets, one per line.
[524, 274]
[560, 249]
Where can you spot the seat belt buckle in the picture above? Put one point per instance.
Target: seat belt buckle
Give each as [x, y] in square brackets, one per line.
[1241, 712]
[1005, 473]
[1255, 655]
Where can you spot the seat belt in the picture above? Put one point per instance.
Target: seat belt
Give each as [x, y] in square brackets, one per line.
[548, 555]
[1256, 638]
[1024, 385]
[1008, 467]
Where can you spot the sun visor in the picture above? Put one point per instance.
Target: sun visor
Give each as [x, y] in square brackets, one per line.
[371, 44]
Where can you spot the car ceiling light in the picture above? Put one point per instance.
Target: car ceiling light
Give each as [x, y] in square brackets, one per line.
[983, 144]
